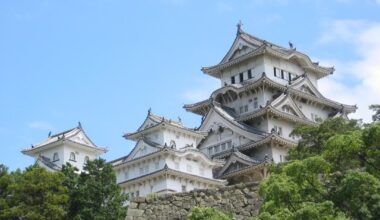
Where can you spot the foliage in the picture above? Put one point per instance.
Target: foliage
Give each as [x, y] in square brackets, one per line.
[34, 194]
[333, 173]
[376, 109]
[38, 194]
[94, 194]
[206, 213]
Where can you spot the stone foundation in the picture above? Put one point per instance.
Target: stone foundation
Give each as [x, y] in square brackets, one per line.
[241, 200]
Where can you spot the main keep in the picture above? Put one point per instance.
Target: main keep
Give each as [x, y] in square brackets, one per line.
[266, 90]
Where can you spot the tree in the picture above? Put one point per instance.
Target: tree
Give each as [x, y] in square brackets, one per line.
[333, 173]
[206, 213]
[35, 194]
[94, 193]
[376, 109]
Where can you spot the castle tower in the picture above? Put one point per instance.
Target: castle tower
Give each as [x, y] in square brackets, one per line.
[266, 90]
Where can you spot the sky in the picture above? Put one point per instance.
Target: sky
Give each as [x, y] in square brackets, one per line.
[105, 63]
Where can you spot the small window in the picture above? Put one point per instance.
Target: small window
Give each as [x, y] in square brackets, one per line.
[72, 156]
[217, 148]
[137, 193]
[223, 146]
[275, 71]
[241, 109]
[246, 108]
[241, 77]
[232, 79]
[280, 131]
[183, 188]
[249, 74]
[282, 74]
[86, 159]
[55, 157]
[255, 103]
[210, 150]
[132, 195]
[290, 76]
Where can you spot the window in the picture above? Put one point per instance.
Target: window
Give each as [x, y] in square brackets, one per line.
[217, 148]
[280, 131]
[232, 79]
[241, 77]
[55, 157]
[86, 159]
[229, 145]
[249, 74]
[282, 74]
[132, 195]
[246, 108]
[223, 146]
[72, 156]
[290, 76]
[275, 71]
[183, 188]
[137, 193]
[255, 103]
[241, 109]
[210, 150]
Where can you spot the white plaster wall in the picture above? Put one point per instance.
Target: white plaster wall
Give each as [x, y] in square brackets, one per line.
[287, 127]
[80, 154]
[189, 165]
[308, 109]
[259, 152]
[156, 137]
[180, 139]
[255, 64]
[49, 153]
[279, 154]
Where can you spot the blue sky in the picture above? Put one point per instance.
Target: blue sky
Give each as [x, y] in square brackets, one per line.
[104, 63]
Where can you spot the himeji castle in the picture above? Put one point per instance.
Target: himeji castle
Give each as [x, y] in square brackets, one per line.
[266, 90]
[165, 160]
[72, 146]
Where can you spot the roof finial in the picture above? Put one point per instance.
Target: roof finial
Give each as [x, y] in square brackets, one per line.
[179, 119]
[79, 124]
[239, 29]
[149, 111]
[290, 45]
[49, 134]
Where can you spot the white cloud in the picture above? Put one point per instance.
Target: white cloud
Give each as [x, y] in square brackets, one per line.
[364, 37]
[41, 125]
[378, 2]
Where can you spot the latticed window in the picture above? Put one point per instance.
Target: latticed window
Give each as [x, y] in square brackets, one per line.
[72, 156]
[55, 157]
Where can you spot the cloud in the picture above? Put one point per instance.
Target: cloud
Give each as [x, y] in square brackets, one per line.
[364, 37]
[41, 125]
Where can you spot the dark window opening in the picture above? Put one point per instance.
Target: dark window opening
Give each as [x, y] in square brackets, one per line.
[275, 71]
[249, 74]
[282, 74]
[233, 80]
[241, 77]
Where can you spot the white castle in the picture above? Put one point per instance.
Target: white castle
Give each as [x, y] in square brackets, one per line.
[266, 90]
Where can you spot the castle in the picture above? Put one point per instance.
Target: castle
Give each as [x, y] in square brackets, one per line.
[266, 90]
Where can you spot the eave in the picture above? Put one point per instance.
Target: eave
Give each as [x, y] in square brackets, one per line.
[35, 150]
[162, 125]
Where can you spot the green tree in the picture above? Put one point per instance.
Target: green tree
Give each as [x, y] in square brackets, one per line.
[206, 213]
[376, 109]
[333, 173]
[36, 194]
[94, 193]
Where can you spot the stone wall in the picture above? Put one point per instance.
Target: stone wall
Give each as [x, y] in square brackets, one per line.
[242, 200]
